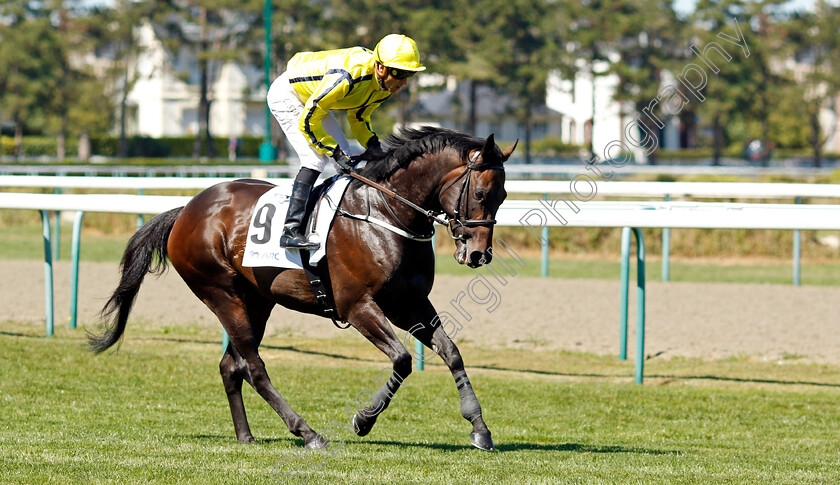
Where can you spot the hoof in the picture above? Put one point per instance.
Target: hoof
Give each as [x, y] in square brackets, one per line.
[316, 443]
[362, 427]
[246, 439]
[482, 441]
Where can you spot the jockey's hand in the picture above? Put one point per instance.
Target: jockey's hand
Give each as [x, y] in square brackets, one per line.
[373, 152]
[374, 149]
[345, 164]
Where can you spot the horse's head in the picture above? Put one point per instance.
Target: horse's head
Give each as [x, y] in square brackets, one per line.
[471, 196]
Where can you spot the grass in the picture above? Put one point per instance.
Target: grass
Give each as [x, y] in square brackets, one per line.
[26, 242]
[155, 412]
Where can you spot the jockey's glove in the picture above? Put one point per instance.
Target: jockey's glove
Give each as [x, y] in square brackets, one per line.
[345, 164]
[373, 151]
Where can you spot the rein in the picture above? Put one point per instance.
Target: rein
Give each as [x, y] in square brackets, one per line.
[450, 222]
[390, 193]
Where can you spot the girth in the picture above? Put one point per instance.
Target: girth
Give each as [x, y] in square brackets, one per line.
[322, 292]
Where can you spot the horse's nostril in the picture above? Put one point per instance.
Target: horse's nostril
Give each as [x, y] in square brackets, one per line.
[477, 258]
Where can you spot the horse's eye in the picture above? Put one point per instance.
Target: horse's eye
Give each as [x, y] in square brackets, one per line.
[480, 195]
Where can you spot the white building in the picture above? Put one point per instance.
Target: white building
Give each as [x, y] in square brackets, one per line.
[164, 100]
[580, 102]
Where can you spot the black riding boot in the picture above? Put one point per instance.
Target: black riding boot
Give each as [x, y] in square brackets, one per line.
[293, 236]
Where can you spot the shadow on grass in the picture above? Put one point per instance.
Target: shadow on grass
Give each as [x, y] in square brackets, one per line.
[231, 439]
[492, 367]
[287, 348]
[24, 335]
[582, 448]
[753, 380]
[507, 447]
[657, 376]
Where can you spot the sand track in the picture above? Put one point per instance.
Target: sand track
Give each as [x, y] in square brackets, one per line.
[683, 319]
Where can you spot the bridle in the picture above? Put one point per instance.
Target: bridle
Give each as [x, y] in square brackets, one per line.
[452, 222]
[455, 222]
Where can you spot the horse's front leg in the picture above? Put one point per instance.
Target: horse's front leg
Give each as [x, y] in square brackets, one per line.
[369, 320]
[424, 325]
[470, 408]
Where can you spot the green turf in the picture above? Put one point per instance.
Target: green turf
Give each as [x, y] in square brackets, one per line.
[155, 412]
[26, 242]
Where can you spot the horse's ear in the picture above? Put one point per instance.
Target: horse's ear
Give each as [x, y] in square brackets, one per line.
[507, 152]
[489, 145]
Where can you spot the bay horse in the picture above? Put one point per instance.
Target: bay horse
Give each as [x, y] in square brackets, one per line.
[376, 275]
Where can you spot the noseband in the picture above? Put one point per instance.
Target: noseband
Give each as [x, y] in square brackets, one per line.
[455, 221]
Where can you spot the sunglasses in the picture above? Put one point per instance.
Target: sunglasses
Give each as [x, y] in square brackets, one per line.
[401, 74]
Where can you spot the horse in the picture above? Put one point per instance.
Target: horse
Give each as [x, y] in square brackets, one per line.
[376, 275]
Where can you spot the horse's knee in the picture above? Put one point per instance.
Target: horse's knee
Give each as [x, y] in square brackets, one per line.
[449, 353]
[227, 367]
[258, 375]
[402, 364]
[232, 373]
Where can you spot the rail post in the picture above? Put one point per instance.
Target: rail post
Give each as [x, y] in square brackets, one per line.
[48, 271]
[75, 246]
[640, 298]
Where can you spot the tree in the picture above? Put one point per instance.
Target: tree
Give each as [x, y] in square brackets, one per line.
[517, 44]
[70, 73]
[647, 36]
[592, 40]
[215, 31]
[113, 30]
[29, 54]
[817, 45]
[747, 86]
[46, 85]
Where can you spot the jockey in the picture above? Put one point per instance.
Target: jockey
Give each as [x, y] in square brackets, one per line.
[356, 80]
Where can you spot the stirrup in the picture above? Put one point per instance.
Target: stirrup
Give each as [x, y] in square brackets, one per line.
[297, 242]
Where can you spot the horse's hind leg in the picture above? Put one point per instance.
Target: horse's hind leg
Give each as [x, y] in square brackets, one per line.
[236, 314]
[234, 369]
[420, 324]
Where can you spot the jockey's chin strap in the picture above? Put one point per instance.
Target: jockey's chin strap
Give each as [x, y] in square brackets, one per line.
[451, 222]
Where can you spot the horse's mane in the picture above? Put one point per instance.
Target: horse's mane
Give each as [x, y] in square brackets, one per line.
[411, 143]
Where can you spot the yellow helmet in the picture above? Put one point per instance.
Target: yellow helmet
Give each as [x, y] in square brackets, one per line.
[398, 51]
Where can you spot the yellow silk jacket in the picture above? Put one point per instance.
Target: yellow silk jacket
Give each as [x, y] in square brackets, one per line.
[340, 79]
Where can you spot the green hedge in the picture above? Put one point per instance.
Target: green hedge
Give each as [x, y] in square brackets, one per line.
[552, 146]
[37, 146]
[138, 146]
[737, 152]
[249, 147]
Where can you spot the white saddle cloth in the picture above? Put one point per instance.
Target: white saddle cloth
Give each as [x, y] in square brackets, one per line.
[263, 245]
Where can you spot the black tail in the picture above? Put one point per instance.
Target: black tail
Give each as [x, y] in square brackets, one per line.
[137, 260]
